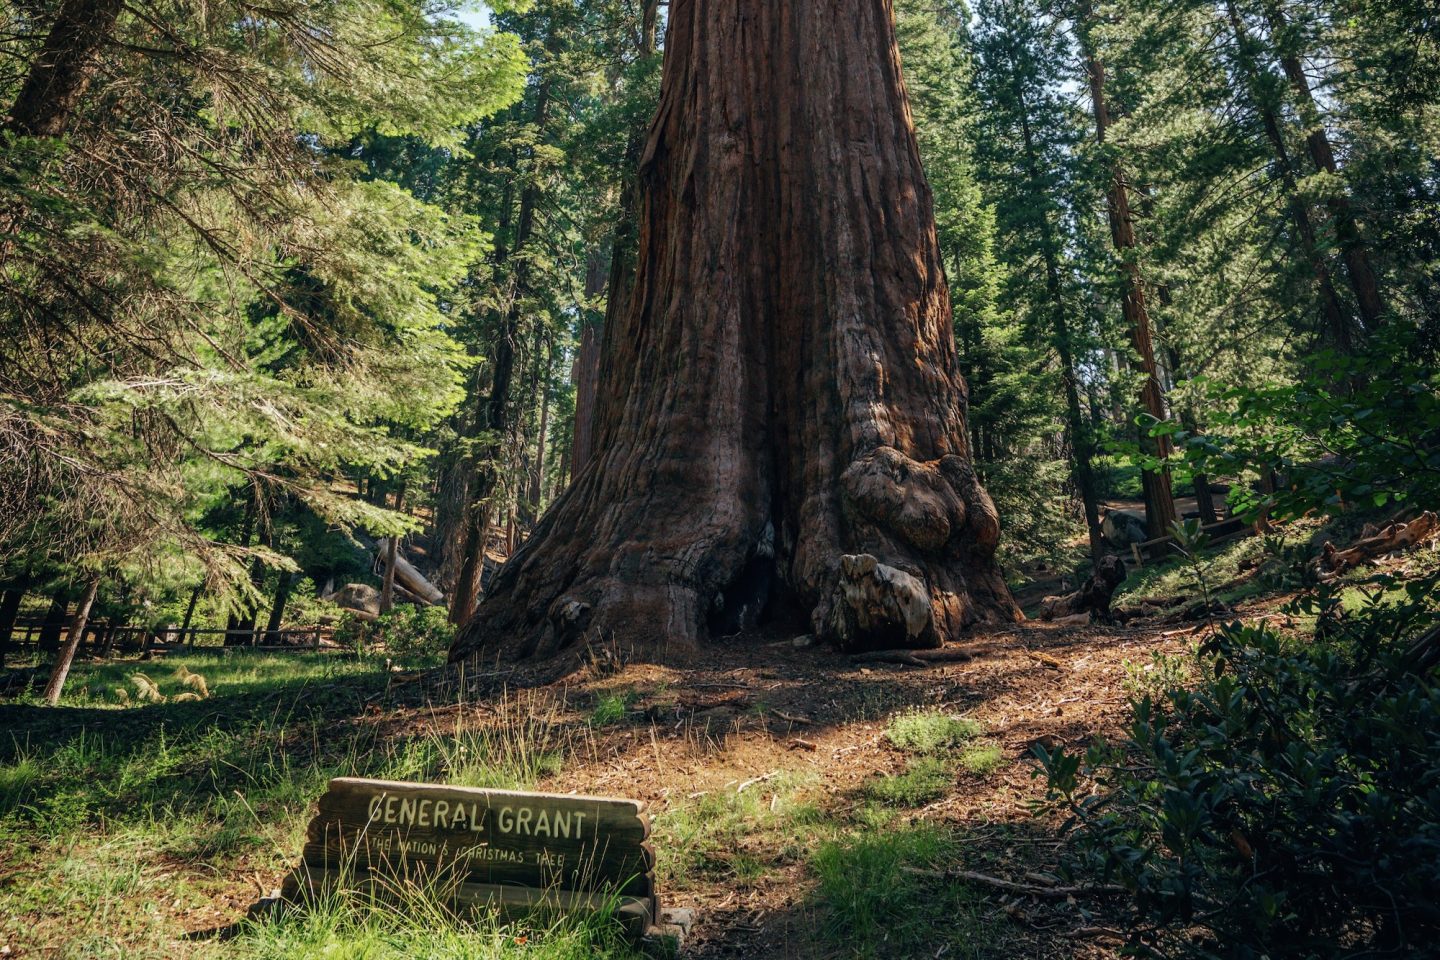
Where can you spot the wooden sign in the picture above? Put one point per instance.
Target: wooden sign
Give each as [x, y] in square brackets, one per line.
[481, 849]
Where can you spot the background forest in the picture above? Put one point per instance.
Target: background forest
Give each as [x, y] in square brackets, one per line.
[304, 311]
[275, 281]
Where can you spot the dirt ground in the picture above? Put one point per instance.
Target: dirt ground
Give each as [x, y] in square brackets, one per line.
[754, 708]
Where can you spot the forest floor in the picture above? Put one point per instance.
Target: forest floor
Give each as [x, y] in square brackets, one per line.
[803, 804]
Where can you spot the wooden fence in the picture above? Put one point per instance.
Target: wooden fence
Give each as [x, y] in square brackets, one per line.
[102, 638]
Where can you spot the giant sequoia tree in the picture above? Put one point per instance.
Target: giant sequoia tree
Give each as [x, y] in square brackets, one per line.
[782, 423]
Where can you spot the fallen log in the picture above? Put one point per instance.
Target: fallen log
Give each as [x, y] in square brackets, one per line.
[913, 658]
[408, 577]
[1393, 537]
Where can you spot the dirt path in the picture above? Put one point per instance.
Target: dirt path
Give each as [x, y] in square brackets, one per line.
[768, 711]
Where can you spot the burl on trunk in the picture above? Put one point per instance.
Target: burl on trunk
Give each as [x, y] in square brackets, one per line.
[781, 423]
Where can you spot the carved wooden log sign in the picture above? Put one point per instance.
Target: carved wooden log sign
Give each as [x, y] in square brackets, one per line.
[481, 849]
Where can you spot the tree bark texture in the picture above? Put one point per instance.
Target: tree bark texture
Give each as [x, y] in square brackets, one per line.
[62, 72]
[72, 643]
[1336, 318]
[1160, 514]
[783, 420]
[48, 641]
[1358, 264]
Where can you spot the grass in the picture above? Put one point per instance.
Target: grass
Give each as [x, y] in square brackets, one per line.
[119, 823]
[929, 731]
[874, 905]
[611, 708]
[924, 780]
[982, 759]
[736, 835]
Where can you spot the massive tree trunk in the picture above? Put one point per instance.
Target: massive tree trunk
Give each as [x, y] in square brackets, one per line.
[1160, 513]
[783, 422]
[593, 344]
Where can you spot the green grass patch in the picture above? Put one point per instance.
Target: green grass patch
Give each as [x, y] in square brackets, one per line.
[871, 906]
[611, 708]
[924, 780]
[103, 809]
[929, 731]
[737, 835]
[982, 759]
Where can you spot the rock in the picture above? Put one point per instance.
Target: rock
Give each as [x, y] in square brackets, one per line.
[359, 598]
[667, 937]
[1121, 528]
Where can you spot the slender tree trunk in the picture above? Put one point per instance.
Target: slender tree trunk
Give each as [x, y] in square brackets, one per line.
[1358, 264]
[72, 643]
[537, 475]
[494, 415]
[9, 611]
[1160, 515]
[62, 72]
[1339, 324]
[235, 620]
[392, 552]
[782, 421]
[587, 357]
[1081, 447]
[48, 643]
[190, 611]
[277, 609]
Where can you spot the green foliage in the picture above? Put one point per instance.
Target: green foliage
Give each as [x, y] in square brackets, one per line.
[1286, 805]
[875, 906]
[1361, 430]
[611, 708]
[409, 629]
[929, 731]
[923, 780]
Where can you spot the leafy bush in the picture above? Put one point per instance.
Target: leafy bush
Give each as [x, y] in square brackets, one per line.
[406, 629]
[1289, 804]
[1360, 430]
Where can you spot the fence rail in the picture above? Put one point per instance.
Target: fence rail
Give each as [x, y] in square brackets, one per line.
[103, 638]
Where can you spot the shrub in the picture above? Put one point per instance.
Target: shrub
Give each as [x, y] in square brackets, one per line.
[1286, 806]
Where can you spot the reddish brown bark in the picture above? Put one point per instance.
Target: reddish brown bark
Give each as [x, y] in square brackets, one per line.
[62, 72]
[1339, 323]
[593, 346]
[1160, 513]
[783, 406]
[1358, 265]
